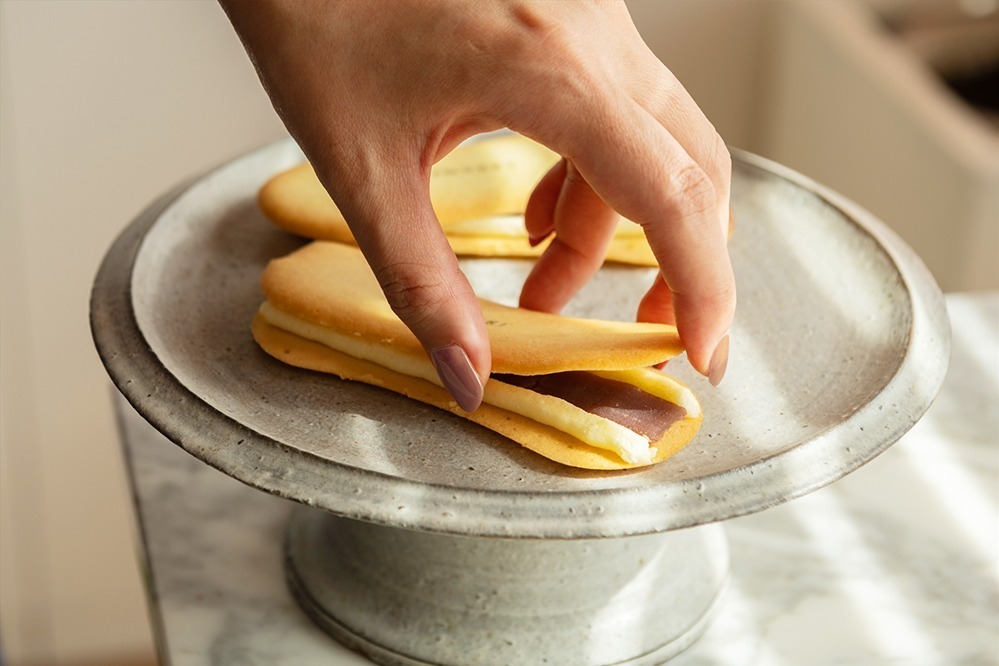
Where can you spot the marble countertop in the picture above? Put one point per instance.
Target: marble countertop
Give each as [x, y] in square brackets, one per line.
[897, 563]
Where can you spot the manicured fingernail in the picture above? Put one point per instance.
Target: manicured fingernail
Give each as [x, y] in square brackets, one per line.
[537, 239]
[458, 376]
[719, 362]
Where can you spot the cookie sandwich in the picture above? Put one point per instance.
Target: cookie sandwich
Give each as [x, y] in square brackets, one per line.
[581, 392]
[479, 192]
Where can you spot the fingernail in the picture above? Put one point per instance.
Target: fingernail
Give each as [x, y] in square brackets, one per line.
[536, 240]
[719, 362]
[458, 376]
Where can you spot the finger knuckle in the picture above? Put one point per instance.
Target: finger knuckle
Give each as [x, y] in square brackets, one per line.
[691, 190]
[416, 293]
[585, 257]
[721, 299]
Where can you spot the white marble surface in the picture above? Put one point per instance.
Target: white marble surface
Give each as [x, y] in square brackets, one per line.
[895, 564]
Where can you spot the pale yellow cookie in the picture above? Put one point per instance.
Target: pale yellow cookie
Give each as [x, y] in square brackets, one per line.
[332, 285]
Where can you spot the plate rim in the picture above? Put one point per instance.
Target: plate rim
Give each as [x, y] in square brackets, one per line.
[198, 428]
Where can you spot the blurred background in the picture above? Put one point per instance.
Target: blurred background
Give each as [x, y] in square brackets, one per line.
[104, 105]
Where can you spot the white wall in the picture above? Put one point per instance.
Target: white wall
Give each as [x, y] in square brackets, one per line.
[104, 106]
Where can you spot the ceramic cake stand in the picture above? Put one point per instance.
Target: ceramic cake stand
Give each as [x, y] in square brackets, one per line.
[423, 538]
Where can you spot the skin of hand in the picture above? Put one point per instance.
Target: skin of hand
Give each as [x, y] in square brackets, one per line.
[375, 92]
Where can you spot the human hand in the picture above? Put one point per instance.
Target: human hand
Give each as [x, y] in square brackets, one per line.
[376, 93]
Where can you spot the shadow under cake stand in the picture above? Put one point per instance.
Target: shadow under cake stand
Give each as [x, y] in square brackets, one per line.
[422, 538]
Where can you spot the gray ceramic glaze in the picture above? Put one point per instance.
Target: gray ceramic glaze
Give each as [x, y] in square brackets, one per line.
[839, 346]
[405, 598]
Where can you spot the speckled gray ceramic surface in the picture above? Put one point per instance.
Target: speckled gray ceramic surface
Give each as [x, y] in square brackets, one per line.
[839, 346]
[407, 598]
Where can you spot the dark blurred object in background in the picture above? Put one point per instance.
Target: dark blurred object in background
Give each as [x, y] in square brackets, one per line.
[957, 39]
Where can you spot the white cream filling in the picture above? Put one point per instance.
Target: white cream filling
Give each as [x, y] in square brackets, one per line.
[512, 226]
[602, 433]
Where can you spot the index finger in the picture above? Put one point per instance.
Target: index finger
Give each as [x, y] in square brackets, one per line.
[641, 170]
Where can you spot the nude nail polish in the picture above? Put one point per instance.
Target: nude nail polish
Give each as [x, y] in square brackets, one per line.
[458, 376]
[537, 239]
[534, 241]
[719, 362]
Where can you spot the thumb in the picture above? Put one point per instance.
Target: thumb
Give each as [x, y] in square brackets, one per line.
[399, 235]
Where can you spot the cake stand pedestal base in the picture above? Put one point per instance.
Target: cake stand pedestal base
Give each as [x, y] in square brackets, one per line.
[407, 597]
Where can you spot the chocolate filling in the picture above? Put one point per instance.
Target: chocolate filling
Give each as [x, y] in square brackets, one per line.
[616, 401]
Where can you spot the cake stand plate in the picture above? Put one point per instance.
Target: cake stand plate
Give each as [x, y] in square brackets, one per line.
[423, 538]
